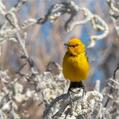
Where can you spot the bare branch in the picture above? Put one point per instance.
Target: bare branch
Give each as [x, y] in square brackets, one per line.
[73, 105]
[111, 5]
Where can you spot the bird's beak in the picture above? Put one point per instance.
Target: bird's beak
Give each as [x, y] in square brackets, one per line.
[66, 45]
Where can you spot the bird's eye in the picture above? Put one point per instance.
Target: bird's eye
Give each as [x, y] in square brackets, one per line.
[74, 45]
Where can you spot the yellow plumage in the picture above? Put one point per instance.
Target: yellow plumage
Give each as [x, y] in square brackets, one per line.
[75, 63]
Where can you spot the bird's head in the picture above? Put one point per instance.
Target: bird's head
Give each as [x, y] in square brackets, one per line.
[75, 46]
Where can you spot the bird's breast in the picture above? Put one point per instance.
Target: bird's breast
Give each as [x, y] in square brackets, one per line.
[75, 68]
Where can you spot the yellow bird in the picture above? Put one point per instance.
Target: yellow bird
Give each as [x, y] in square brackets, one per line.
[75, 63]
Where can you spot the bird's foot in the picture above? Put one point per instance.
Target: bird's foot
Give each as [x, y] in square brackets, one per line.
[77, 91]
